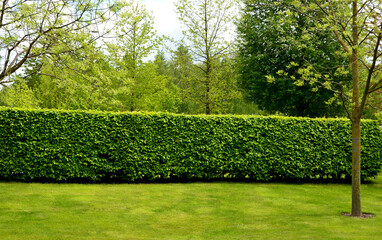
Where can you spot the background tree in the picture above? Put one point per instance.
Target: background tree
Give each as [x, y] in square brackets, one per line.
[71, 79]
[79, 74]
[137, 40]
[29, 29]
[75, 81]
[18, 95]
[272, 49]
[208, 24]
[162, 64]
[184, 75]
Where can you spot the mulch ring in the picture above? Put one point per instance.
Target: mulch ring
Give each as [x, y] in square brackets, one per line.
[364, 215]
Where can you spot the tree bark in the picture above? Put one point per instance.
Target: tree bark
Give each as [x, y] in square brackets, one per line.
[356, 120]
[208, 63]
[208, 88]
[356, 168]
[208, 107]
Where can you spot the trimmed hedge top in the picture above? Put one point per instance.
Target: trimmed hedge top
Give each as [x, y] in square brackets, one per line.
[77, 146]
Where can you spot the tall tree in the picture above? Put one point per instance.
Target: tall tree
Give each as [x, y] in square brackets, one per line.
[30, 28]
[272, 49]
[81, 80]
[357, 26]
[208, 26]
[161, 63]
[137, 40]
[18, 95]
[136, 37]
[183, 74]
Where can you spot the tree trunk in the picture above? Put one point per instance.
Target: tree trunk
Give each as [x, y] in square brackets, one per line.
[208, 107]
[208, 62]
[356, 121]
[208, 86]
[356, 168]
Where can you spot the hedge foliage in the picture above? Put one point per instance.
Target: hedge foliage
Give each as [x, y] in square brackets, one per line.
[72, 146]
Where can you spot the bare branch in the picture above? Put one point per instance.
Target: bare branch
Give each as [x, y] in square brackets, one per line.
[341, 41]
[369, 89]
[343, 99]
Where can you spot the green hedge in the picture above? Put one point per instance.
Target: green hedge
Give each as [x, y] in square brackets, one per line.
[72, 146]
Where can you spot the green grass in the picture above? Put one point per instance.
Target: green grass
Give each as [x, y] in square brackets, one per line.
[186, 211]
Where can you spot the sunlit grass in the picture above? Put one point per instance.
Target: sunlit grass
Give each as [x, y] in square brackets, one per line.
[186, 211]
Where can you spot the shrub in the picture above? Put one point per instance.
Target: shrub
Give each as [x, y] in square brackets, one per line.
[75, 146]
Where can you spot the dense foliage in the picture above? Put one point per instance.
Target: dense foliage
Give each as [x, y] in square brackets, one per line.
[114, 68]
[273, 48]
[41, 145]
[209, 33]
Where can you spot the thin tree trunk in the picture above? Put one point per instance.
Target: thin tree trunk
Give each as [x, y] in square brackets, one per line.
[208, 107]
[207, 84]
[356, 168]
[208, 62]
[356, 121]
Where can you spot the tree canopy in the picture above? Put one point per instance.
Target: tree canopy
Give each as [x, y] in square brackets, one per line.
[272, 50]
[32, 29]
[208, 24]
[99, 54]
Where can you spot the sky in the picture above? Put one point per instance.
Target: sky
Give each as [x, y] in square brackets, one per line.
[166, 21]
[165, 18]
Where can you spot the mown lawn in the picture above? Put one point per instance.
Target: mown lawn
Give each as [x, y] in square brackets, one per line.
[186, 211]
